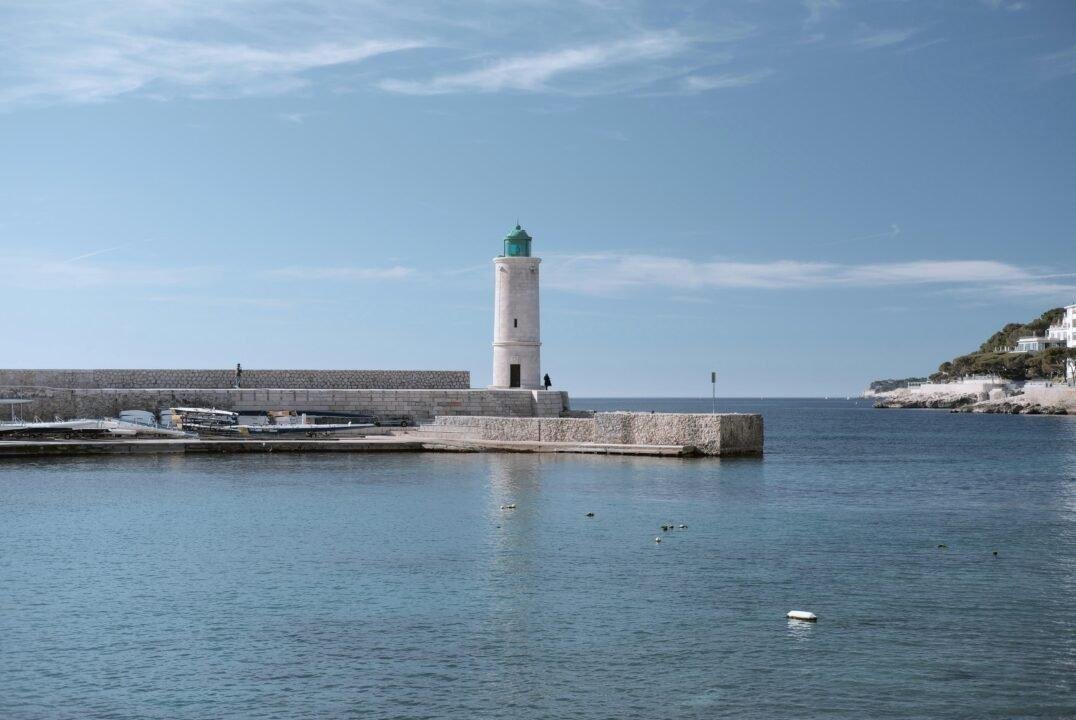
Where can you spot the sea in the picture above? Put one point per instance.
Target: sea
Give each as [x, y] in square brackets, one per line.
[938, 551]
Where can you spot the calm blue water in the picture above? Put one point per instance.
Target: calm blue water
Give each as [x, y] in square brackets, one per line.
[393, 586]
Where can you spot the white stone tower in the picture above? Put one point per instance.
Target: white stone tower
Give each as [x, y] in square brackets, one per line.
[516, 329]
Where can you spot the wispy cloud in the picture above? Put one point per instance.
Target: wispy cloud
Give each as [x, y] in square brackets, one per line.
[225, 301]
[351, 274]
[908, 48]
[702, 83]
[57, 51]
[29, 272]
[94, 253]
[1010, 5]
[891, 233]
[102, 251]
[1059, 64]
[105, 67]
[293, 118]
[54, 51]
[36, 273]
[816, 9]
[604, 273]
[85, 52]
[874, 39]
[83, 272]
[534, 73]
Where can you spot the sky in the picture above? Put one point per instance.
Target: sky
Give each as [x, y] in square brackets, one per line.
[803, 196]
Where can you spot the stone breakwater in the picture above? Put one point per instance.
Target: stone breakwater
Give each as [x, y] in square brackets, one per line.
[416, 405]
[252, 379]
[724, 435]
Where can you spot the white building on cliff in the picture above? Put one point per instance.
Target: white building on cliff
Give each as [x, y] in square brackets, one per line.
[1063, 333]
[1060, 334]
[1066, 331]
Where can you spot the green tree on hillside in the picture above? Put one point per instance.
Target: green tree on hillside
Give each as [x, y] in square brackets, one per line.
[994, 356]
[1005, 338]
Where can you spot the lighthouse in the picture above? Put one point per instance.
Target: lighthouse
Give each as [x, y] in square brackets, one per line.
[516, 329]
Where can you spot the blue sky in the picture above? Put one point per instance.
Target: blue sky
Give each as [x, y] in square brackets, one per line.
[802, 195]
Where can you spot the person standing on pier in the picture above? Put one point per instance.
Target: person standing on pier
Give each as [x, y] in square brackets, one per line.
[546, 381]
[238, 375]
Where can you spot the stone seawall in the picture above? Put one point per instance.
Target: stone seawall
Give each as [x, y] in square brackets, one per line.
[252, 379]
[418, 405]
[725, 434]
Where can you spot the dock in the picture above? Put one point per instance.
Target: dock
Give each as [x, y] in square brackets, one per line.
[133, 446]
[669, 435]
[376, 443]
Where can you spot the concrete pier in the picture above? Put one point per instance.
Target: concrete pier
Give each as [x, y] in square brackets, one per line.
[650, 434]
[39, 448]
[415, 405]
[724, 435]
[404, 443]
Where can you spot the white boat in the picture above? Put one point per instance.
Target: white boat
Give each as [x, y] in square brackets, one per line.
[309, 430]
[85, 428]
[199, 419]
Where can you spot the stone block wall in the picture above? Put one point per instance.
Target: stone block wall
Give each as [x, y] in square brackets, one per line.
[418, 405]
[725, 434]
[225, 378]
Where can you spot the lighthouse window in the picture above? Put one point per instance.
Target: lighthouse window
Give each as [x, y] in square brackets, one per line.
[515, 322]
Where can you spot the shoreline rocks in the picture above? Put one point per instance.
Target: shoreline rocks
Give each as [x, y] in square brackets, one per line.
[1009, 407]
[902, 399]
[1056, 400]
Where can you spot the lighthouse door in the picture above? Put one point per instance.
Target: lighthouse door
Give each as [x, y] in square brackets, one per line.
[513, 375]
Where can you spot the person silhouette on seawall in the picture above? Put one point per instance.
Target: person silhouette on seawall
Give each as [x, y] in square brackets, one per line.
[546, 381]
[238, 375]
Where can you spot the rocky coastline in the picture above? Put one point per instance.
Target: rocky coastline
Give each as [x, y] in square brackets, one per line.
[1051, 400]
[903, 399]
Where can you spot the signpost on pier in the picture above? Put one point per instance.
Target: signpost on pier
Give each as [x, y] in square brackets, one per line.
[713, 389]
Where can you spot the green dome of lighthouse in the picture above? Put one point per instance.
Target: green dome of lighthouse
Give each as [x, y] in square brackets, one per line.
[518, 234]
[517, 243]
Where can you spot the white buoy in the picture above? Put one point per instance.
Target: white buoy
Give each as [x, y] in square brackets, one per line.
[802, 615]
[657, 539]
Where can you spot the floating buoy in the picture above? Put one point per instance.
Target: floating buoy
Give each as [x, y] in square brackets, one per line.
[590, 514]
[802, 615]
[683, 527]
[657, 539]
[943, 547]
